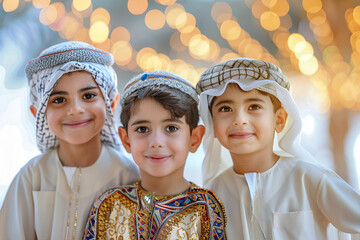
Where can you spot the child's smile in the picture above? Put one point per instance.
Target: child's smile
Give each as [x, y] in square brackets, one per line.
[76, 109]
[241, 135]
[244, 122]
[158, 142]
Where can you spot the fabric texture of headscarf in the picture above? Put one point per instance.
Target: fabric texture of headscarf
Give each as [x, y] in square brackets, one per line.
[45, 71]
[248, 74]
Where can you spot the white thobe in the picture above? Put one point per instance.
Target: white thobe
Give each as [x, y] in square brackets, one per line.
[40, 203]
[292, 200]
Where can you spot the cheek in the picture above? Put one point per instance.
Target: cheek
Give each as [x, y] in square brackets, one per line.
[137, 144]
[219, 127]
[52, 120]
[51, 116]
[101, 113]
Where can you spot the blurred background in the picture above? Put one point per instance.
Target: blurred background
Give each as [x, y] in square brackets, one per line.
[315, 42]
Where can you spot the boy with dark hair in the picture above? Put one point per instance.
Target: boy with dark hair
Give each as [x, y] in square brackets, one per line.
[160, 127]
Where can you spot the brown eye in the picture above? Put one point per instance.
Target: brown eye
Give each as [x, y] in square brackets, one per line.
[142, 130]
[88, 96]
[254, 107]
[225, 109]
[171, 129]
[58, 100]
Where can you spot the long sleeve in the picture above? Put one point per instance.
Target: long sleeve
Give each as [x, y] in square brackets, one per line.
[17, 212]
[339, 202]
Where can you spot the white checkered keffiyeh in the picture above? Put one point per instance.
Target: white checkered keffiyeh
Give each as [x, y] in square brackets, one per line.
[248, 74]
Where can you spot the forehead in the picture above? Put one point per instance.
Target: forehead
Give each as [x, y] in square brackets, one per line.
[75, 79]
[148, 107]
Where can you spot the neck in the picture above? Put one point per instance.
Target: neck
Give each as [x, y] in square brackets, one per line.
[164, 185]
[79, 155]
[253, 163]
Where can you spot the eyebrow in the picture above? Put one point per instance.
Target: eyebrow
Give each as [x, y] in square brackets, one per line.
[66, 93]
[170, 120]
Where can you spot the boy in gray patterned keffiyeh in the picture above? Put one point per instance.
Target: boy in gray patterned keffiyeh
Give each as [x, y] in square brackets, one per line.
[73, 97]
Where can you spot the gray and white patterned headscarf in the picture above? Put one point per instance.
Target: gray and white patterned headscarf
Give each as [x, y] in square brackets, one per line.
[45, 71]
[248, 74]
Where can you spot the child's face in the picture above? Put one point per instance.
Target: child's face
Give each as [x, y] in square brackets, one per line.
[245, 122]
[76, 109]
[159, 143]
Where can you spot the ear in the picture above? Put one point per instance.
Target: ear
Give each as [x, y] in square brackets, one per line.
[281, 117]
[196, 137]
[124, 139]
[33, 110]
[115, 103]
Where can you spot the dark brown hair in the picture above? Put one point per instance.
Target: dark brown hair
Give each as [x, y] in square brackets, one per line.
[178, 103]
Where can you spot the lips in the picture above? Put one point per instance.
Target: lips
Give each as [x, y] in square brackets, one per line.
[78, 123]
[241, 135]
[158, 157]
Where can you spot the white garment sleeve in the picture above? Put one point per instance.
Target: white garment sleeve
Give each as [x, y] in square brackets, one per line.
[339, 202]
[17, 212]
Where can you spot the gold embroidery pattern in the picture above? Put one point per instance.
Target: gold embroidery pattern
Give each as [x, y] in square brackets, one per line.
[132, 213]
[113, 214]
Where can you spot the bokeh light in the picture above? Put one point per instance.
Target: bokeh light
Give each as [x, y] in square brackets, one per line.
[281, 8]
[122, 52]
[98, 32]
[185, 22]
[40, 3]
[10, 5]
[308, 66]
[172, 13]
[308, 124]
[120, 34]
[137, 7]
[221, 11]
[154, 19]
[294, 39]
[312, 6]
[80, 5]
[48, 15]
[230, 30]
[100, 15]
[199, 46]
[270, 21]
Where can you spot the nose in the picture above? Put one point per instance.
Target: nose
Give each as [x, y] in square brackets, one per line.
[156, 140]
[75, 107]
[240, 118]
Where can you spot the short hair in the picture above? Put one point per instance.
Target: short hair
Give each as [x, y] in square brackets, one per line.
[178, 103]
[275, 101]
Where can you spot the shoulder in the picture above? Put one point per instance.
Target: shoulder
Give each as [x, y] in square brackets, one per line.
[206, 195]
[38, 164]
[310, 174]
[222, 179]
[301, 166]
[215, 208]
[114, 193]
